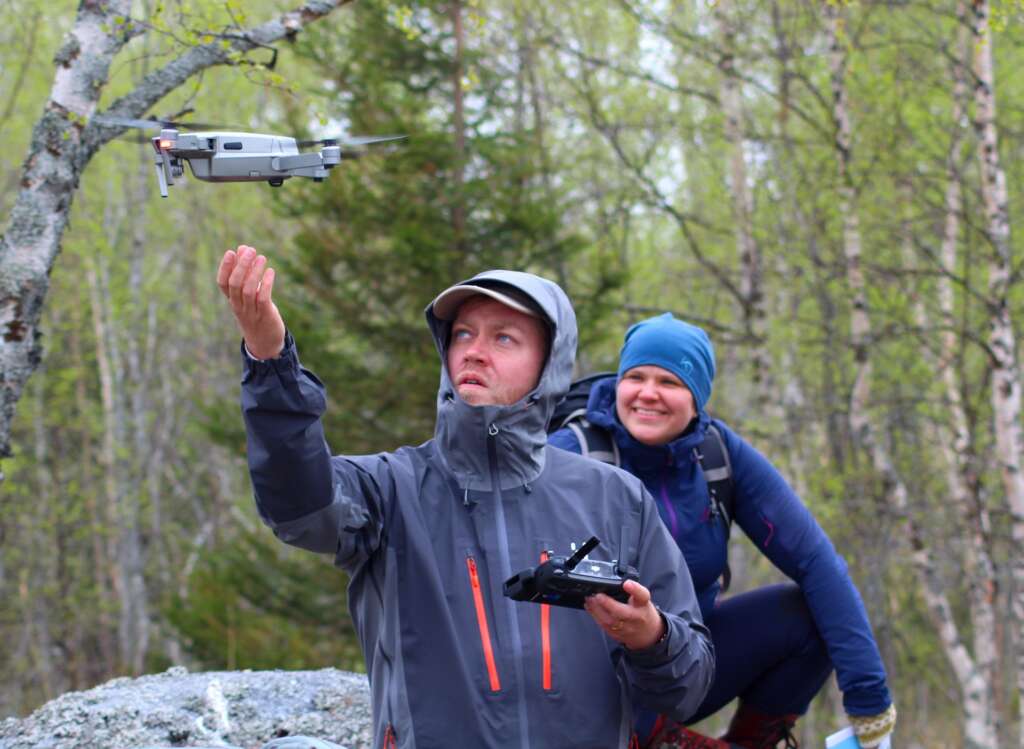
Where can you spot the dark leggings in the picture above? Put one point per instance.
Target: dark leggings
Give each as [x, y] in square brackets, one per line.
[767, 652]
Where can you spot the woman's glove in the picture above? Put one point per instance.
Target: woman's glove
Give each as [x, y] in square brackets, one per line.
[871, 729]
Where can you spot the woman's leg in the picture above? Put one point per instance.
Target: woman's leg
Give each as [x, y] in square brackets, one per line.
[767, 652]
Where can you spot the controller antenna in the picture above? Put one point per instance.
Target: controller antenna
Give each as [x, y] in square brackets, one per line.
[577, 557]
[622, 569]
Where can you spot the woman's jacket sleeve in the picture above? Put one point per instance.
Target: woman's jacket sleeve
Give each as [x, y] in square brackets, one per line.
[779, 524]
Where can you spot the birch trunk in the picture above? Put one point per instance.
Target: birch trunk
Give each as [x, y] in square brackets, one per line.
[1002, 344]
[459, 125]
[113, 474]
[803, 432]
[139, 407]
[960, 454]
[865, 433]
[97, 512]
[64, 140]
[749, 252]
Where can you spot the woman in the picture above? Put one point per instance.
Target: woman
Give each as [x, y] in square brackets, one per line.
[775, 646]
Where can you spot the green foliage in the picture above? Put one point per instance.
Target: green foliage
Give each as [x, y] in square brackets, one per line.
[380, 238]
[255, 604]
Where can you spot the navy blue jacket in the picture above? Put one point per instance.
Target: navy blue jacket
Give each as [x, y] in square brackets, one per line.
[774, 519]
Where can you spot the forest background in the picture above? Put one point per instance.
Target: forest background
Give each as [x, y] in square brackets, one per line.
[828, 188]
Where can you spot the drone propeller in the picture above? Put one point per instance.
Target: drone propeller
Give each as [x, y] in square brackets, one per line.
[349, 140]
[161, 124]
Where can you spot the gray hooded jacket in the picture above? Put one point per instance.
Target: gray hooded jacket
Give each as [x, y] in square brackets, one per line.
[429, 534]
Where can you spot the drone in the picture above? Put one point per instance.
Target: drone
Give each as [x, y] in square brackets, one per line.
[227, 156]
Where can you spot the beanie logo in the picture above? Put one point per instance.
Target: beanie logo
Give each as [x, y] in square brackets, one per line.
[686, 365]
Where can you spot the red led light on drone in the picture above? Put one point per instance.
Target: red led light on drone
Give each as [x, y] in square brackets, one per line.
[165, 143]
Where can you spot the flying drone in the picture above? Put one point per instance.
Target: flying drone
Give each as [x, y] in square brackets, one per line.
[218, 156]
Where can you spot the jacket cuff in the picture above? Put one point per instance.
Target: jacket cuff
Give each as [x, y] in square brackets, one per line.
[286, 362]
[657, 653]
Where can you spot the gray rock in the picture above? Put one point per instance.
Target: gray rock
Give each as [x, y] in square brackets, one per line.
[216, 709]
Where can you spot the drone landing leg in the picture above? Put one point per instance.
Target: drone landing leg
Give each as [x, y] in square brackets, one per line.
[160, 177]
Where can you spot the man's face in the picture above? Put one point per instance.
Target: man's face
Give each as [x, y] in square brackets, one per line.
[496, 353]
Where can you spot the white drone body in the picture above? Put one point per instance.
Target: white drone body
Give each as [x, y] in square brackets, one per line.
[239, 157]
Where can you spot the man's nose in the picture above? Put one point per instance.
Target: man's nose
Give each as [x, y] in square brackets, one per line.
[475, 351]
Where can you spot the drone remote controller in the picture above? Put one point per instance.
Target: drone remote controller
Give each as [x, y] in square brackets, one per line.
[568, 582]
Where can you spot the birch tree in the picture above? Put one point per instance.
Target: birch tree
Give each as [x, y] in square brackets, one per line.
[748, 251]
[1002, 343]
[65, 139]
[979, 730]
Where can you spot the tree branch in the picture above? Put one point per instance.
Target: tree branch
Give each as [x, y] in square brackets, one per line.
[64, 140]
[159, 83]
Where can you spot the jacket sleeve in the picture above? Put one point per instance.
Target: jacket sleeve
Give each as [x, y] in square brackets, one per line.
[779, 524]
[309, 499]
[674, 675]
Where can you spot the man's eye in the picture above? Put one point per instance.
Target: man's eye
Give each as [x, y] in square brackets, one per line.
[505, 338]
[460, 334]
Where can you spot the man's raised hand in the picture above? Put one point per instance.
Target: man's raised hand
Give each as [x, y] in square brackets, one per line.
[247, 282]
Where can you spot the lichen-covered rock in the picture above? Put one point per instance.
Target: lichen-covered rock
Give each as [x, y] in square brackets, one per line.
[231, 708]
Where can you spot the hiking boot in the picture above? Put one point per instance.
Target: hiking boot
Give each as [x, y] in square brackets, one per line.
[676, 736]
[751, 729]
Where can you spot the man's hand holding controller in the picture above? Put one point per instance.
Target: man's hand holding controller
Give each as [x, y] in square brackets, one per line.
[247, 282]
[637, 624]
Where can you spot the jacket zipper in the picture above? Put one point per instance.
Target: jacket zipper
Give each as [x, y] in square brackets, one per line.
[510, 611]
[545, 637]
[481, 620]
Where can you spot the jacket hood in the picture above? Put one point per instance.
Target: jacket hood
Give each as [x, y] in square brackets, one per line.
[463, 432]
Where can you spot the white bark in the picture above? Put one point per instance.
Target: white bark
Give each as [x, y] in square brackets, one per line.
[1002, 344]
[866, 434]
[114, 478]
[792, 227]
[98, 512]
[750, 262]
[49, 177]
[961, 460]
[64, 140]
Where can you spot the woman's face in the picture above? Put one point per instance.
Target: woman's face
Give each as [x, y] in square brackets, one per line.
[653, 404]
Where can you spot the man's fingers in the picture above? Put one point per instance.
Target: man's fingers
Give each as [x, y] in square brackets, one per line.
[236, 281]
[266, 288]
[252, 283]
[638, 595]
[227, 264]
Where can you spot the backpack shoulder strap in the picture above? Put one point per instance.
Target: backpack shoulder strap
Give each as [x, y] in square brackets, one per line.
[595, 442]
[714, 461]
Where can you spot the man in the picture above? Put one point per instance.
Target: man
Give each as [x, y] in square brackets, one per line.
[429, 534]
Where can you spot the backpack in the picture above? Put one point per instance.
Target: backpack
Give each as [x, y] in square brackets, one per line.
[596, 442]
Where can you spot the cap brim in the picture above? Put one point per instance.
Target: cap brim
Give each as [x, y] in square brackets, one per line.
[447, 303]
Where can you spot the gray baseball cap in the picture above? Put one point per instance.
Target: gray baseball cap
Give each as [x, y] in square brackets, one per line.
[446, 304]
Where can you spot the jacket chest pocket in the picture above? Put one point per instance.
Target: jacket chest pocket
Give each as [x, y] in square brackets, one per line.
[541, 625]
[483, 624]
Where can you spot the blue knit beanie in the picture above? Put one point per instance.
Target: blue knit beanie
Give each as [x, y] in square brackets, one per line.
[683, 349]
